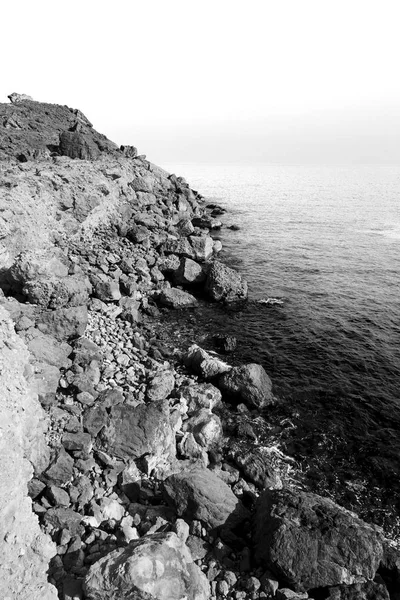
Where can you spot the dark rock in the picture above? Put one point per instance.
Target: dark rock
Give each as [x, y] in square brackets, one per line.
[95, 419]
[105, 288]
[78, 145]
[156, 566]
[63, 518]
[175, 298]
[197, 493]
[225, 284]
[257, 467]
[85, 351]
[64, 323]
[247, 383]
[35, 488]
[61, 470]
[309, 541]
[225, 343]
[360, 591]
[77, 442]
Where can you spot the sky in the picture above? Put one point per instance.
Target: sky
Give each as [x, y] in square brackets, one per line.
[286, 81]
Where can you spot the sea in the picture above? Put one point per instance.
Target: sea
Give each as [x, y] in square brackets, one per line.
[320, 249]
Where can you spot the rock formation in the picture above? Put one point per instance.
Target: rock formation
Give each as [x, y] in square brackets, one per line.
[141, 463]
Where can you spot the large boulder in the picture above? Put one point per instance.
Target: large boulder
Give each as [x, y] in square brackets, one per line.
[157, 566]
[247, 383]
[201, 246]
[310, 542]
[76, 144]
[189, 272]
[64, 323]
[197, 493]
[134, 432]
[201, 395]
[175, 298]
[225, 284]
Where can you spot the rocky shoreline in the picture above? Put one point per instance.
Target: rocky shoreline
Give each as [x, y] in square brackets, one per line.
[152, 482]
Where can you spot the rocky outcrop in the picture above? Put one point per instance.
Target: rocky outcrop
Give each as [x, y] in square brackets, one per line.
[224, 283]
[311, 542]
[249, 384]
[24, 550]
[157, 566]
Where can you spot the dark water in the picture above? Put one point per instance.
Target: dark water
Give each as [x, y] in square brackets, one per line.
[326, 242]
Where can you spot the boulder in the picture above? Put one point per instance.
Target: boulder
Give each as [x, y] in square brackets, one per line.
[256, 467]
[197, 493]
[189, 272]
[58, 292]
[205, 364]
[130, 310]
[201, 395]
[142, 430]
[160, 386]
[175, 298]
[85, 351]
[77, 144]
[105, 288]
[370, 590]
[17, 98]
[205, 427]
[201, 247]
[225, 284]
[310, 542]
[64, 323]
[249, 384]
[61, 470]
[156, 566]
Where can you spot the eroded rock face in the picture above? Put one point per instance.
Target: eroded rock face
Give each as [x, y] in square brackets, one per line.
[247, 383]
[225, 284]
[310, 541]
[24, 550]
[157, 566]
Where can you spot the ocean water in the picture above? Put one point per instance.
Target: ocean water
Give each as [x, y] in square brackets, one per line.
[325, 242]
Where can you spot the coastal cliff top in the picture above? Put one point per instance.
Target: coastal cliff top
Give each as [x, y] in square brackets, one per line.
[31, 130]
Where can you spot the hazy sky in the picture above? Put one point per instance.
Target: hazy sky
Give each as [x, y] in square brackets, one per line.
[217, 80]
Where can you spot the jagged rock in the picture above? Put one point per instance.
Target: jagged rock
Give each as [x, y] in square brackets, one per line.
[63, 518]
[189, 272]
[58, 496]
[130, 310]
[169, 264]
[77, 442]
[225, 343]
[197, 493]
[225, 284]
[77, 144]
[360, 591]
[201, 247]
[175, 298]
[257, 467]
[247, 383]
[287, 594]
[31, 265]
[105, 289]
[64, 323]
[95, 419]
[17, 98]
[201, 395]
[160, 386]
[309, 541]
[205, 364]
[156, 566]
[205, 427]
[61, 470]
[143, 430]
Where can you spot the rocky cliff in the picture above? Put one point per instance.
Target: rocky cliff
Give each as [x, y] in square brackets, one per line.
[142, 463]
